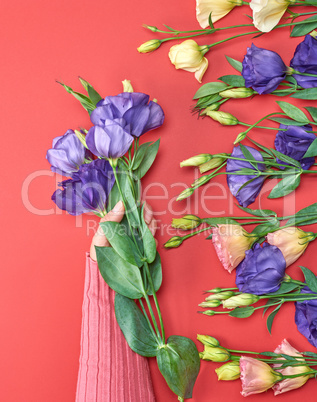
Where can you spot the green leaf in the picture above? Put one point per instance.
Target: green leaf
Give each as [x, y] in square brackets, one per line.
[120, 275]
[147, 160]
[219, 221]
[120, 241]
[312, 149]
[266, 227]
[285, 186]
[271, 317]
[258, 212]
[293, 112]
[156, 273]
[206, 101]
[83, 99]
[285, 158]
[269, 354]
[286, 287]
[270, 303]
[149, 244]
[291, 79]
[287, 122]
[210, 22]
[247, 154]
[308, 94]
[283, 92]
[210, 89]
[92, 93]
[304, 29]
[130, 197]
[304, 213]
[310, 278]
[179, 363]
[313, 112]
[139, 155]
[242, 312]
[237, 65]
[233, 80]
[265, 149]
[134, 326]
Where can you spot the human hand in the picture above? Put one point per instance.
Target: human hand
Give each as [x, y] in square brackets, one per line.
[116, 215]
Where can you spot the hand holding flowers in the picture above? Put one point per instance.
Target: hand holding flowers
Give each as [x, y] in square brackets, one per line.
[131, 266]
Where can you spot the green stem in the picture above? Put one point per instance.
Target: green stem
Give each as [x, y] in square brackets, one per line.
[259, 121]
[155, 299]
[153, 317]
[148, 321]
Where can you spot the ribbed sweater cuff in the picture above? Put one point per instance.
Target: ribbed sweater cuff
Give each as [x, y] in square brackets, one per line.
[109, 371]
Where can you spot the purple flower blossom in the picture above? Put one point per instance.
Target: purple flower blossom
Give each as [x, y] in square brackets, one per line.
[262, 271]
[67, 154]
[306, 317]
[262, 69]
[294, 142]
[247, 194]
[118, 119]
[305, 61]
[88, 190]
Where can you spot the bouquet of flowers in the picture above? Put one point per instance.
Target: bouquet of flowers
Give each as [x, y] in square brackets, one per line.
[105, 164]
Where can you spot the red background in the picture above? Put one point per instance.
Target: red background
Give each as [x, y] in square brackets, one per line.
[42, 275]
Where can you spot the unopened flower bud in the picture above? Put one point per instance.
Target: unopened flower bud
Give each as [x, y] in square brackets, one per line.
[229, 371]
[151, 28]
[214, 106]
[313, 34]
[226, 119]
[174, 242]
[240, 137]
[220, 296]
[208, 312]
[237, 93]
[196, 160]
[200, 181]
[208, 340]
[287, 278]
[214, 290]
[149, 46]
[81, 138]
[185, 194]
[214, 354]
[187, 222]
[127, 87]
[211, 303]
[213, 163]
[244, 299]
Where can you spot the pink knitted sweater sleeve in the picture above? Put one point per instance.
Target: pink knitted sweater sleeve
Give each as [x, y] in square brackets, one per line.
[109, 371]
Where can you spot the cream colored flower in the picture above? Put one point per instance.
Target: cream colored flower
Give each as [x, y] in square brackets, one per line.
[217, 8]
[292, 241]
[231, 242]
[189, 56]
[267, 13]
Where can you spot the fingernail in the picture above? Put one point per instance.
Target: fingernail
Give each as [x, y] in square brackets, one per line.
[118, 207]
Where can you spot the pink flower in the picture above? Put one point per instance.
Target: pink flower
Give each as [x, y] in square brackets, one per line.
[231, 243]
[291, 241]
[256, 376]
[290, 383]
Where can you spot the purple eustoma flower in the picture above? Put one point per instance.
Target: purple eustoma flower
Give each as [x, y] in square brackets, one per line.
[118, 119]
[306, 317]
[305, 61]
[88, 190]
[248, 193]
[67, 154]
[262, 69]
[262, 271]
[134, 107]
[294, 142]
[111, 140]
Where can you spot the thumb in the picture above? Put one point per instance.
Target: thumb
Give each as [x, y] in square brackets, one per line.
[116, 214]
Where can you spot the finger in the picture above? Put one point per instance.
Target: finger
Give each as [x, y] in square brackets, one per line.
[147, 213]
[153, 226]
[116, 214]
